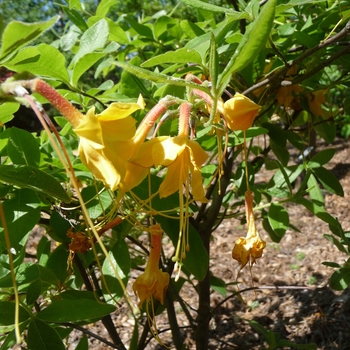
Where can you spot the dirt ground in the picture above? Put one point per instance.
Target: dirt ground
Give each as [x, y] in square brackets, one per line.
[292, 297]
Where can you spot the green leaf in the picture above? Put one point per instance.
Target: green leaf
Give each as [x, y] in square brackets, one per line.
[43, 250]
[314, 191]
[26, 176]
[333, 240]
[84, 63]
[75, 310]
[29, 272]
[93, 39]
[182, 55]
[120, 257]
[331, 264]
[278, 218]
[33, 291]
[96, 203]
[267, 227]
[327, 131]
[319, 211]
[281, 153]
[57, 262]
[74, 294]
[139, 28]
[103, 7]
[83, 343]
[322, 158]
[38, 60]
[218, 285]
[59, 226]
[191, 29]
[196, 261]
[41, 336]
[276, 134]
[329, 181]
[11, 339]
[253, 41]
[294, 3]
[22, 147]
[156, 77]
[7, 110]
[22, 212]
[7, 314]
[207, 7]
[75, 17]
[18, 34]
[340, 279]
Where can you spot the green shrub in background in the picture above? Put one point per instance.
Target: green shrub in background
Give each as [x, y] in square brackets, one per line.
[155, 115]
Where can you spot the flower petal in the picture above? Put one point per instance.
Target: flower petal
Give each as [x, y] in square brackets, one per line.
[134, 175]
[165, 152]
[120, 110]
[90, 128]
[198, 155]
[100, 165]
[144, 155]
[122, 129]
[173, 180]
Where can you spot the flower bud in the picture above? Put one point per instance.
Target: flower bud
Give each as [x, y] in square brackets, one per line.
[239, 112]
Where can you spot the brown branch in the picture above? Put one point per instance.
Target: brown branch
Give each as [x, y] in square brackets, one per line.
[324, 64]
[204, 229]
[280, 75]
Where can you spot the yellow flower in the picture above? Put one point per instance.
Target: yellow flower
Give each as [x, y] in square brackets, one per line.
[288, 96]
[249, 248]
[153, 282]
[102, 137]
[315, 100]
[239, 112]
[182, 157]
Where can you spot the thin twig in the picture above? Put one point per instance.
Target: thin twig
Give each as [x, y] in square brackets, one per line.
[279, 75]
[87, 332]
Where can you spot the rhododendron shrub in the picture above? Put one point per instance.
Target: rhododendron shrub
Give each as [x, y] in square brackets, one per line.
[153, 131]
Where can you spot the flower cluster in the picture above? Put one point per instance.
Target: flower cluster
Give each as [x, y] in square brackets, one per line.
[121, 155]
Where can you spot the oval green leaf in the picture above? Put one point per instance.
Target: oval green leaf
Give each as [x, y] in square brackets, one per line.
[18, 34]
[7, 314]
[253, 41]
[26, 176]
[119, 255]
[75, 310]
[41, 336]
[278, 218]
[183, 55]
[340, 279]
[22, 147]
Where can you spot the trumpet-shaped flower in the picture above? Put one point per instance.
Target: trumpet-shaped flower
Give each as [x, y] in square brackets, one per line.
[239, 112]
[104, 137]
[101, 134]
[249, 248]
[182, 157]
[153, 281]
